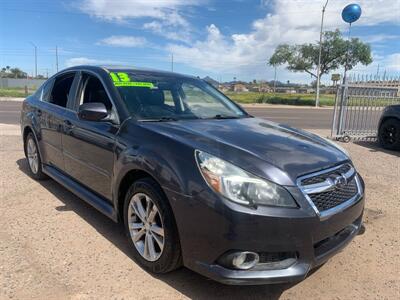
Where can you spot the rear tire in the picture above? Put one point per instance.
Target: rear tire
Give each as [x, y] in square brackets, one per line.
[150, 226]
[33, 157]
[389, 134]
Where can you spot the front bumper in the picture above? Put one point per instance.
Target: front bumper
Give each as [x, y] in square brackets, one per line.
[296, 272]
[210, 226]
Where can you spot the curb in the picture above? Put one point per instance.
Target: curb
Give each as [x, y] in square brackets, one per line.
[13, 99]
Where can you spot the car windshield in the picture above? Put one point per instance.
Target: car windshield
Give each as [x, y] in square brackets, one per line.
[171, 98]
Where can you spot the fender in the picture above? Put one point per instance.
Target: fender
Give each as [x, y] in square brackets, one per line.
[31, 123]
[162, 169]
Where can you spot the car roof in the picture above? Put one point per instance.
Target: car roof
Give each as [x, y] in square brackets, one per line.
[123, 68]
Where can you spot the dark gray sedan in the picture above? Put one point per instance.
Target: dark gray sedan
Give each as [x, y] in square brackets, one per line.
[195, 180]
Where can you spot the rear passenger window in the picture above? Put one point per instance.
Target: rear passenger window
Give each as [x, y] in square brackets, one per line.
[45, 94]
[60, 92]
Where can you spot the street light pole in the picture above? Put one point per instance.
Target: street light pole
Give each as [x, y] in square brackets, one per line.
[35, 47]
[320, 53]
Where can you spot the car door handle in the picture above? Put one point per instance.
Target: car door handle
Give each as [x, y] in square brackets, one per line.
[68, 125]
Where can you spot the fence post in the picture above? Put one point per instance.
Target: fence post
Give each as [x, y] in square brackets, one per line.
[342, 101]
[333, 134]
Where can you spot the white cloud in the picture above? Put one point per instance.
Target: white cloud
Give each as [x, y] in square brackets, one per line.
[123, 41]
[183, 35]
[377, 38]
[89, 61]
[166, 15]
[392, 62]
[290, 22]
[127, 9]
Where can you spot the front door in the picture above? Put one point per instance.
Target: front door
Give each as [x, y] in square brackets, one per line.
[88, 146]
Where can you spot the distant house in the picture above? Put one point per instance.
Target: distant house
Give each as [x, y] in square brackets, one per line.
[225, 87]
[305, 90]
[240, 87]
[286, 90]
[260, 88]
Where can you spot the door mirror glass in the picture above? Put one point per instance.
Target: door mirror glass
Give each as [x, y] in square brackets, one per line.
[94, 111]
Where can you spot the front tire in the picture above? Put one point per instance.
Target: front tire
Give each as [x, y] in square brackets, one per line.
[150, 227]
[33, 157]
[389, 134]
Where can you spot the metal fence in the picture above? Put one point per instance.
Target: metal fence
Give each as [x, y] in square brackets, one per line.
[359, 105]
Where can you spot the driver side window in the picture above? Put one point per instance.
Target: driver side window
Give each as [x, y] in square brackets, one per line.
[92, 90]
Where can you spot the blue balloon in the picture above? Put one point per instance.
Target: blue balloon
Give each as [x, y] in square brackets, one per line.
[351, 13]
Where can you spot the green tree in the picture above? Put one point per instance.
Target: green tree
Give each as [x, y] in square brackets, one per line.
[17, 73]
[304, 57]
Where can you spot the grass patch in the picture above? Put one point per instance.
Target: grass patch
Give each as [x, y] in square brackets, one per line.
[288, 99]
[15, 92]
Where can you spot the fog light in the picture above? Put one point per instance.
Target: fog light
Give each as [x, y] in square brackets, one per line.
[240, 260]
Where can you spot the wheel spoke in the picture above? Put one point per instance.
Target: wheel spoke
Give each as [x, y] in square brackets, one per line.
[157, 230]
[146, 247]
[137, 236]
[153, 214]
[158, 240]
[34, 166]
[150, 245]
[148, 207]
[135, 226]
[139, 211]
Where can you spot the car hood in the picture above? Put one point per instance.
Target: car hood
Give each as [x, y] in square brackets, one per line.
[274, 151]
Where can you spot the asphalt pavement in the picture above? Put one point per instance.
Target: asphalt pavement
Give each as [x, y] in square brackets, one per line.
[307, 118]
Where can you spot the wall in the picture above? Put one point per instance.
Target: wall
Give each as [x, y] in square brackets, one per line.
[20, 83]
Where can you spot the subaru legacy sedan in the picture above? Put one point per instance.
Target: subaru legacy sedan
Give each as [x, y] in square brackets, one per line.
[195, 180]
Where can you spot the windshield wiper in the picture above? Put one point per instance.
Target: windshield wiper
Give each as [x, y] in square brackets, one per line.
[162, 119]
[221, 117]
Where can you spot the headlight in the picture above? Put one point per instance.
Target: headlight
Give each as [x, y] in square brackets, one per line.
[240, 186]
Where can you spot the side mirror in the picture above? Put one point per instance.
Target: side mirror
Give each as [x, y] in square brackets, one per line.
[94, 111]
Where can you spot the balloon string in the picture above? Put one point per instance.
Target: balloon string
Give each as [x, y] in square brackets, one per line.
[347, 53]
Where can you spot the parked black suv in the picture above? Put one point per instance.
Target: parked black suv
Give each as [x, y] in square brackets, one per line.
[194, 178]
[389, 128]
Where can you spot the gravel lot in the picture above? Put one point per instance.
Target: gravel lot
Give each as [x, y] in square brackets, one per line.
[54, 246]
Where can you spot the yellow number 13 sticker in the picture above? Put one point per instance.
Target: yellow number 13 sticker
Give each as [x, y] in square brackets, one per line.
[120, 77]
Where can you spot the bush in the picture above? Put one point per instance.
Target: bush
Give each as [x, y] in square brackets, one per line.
[287, 99]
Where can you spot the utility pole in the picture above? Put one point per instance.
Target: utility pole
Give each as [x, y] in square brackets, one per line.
[172, 62]
[320, 52]
[56, 59]
[274, 79]
[35, 47]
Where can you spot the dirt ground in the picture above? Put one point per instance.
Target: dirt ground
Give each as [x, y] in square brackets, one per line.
[54, 246]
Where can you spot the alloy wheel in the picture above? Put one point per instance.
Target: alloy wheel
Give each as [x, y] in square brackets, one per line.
[32, 153]
[146, 227]
[389, 134]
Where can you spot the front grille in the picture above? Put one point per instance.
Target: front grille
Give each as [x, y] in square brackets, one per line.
[338, 195]
[324, 192]
[322, 177]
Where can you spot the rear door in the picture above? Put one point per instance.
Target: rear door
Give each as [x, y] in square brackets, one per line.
[88, 146]
[51, 113]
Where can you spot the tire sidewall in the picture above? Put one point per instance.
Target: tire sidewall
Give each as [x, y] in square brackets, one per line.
[167, 261]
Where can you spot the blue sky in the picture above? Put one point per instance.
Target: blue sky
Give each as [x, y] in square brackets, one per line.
[220, 38]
